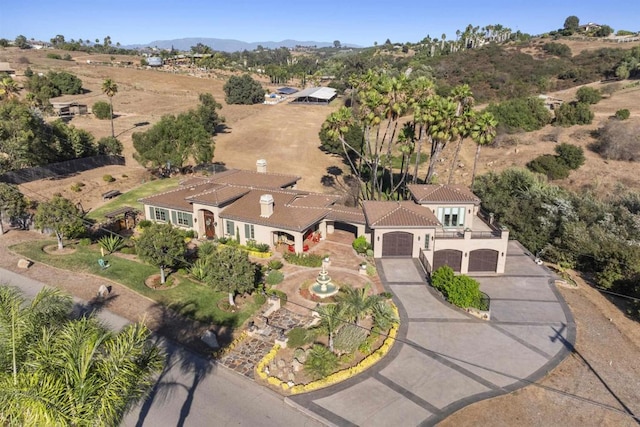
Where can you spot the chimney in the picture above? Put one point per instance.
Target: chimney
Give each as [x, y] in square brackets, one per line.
[261, 166]
[266, 205]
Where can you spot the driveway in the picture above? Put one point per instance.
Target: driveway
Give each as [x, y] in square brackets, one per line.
[445, 359]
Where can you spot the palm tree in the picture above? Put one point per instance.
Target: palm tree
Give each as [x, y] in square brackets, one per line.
[464, 97]
[483, 132]
[69, 372]
[356, 303]
[110, 88]
[8, 88]
[443, 126]
[330, 320]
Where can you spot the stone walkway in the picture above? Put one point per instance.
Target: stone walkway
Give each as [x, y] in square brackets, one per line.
[248, 353]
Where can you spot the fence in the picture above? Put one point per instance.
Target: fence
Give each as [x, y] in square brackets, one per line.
[61, 169]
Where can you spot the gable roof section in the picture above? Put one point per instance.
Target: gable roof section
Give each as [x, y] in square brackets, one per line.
[174, 199]
[218, 194]
[323, 93]
[254, 179]
[442, 193]
[398, 214]
[346, 214]
[309, 200]
[285, 215]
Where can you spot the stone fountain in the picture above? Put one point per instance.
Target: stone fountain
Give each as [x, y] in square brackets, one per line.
[323, 287]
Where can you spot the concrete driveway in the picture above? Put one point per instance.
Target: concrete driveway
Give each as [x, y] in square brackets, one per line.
[445, 359]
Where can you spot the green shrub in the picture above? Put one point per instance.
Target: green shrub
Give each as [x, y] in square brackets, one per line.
[258, 247]
[304, 260]
[53, 56]
[275, 264]
[145, 223]
[108, 178]
[77, 187]
[370, 253]
[557, 49]
[464, 292]
[274, 277]
[361, 245]
[189, 234]
[259, 298]
[527, 114]
[623, 114]
[550, 166]
[588, 95]
[67, 57]
[207, 248]
[571, 113]
[111, 242]
[321, 362]
[349, 338]
[85, 241]
[571, 155]
[297, 337]
[441, 276]
[102, 110]
[110, 145]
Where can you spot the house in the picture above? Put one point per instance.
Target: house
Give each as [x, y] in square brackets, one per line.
[440, 225]
[5, 68]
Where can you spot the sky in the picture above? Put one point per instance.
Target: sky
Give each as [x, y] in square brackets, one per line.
[356, 22]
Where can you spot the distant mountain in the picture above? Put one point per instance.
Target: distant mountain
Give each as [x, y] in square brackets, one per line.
[229, 45]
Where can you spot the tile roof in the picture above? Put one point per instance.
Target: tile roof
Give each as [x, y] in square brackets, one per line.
[346, 214]
[218, 194]
[311, 200]
[285, 215]
[174, 199]
[398, 214]
[442, 193]
[254, 179]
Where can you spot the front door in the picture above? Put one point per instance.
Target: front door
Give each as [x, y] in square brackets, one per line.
[209, 227]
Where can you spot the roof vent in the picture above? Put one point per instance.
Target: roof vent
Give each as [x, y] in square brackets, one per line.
[261, 166]
[266, 205]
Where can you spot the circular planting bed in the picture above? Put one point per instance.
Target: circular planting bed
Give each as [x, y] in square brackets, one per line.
[53, 250]
[153, 282]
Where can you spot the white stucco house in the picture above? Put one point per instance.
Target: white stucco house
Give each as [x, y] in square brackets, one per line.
[441, 225]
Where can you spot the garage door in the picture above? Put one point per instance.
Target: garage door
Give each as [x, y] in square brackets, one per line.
[398, 244]
[483, 260]
[449, 257]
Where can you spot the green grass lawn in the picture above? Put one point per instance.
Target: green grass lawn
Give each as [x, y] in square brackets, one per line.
[130, 198]
[189, 298]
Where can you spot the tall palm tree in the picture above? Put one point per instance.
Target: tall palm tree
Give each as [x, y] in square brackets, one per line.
[443, 127]
[483, 132]
[110, 88]
[463, 96]
[69, 372]
[331, 318]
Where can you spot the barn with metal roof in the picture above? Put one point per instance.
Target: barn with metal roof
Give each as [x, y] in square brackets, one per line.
[315, 95]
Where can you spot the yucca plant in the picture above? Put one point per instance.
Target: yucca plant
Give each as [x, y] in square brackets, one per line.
[111, 242]
[199, 269]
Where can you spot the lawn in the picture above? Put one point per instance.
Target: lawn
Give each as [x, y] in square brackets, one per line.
[197, 301]
[130, 198]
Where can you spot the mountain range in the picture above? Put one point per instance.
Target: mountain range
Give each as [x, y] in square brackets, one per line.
[229, 45]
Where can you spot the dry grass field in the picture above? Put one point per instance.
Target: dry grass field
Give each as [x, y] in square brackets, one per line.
[287, 136]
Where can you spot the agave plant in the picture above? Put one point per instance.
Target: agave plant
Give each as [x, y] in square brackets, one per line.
[111, 242]
[199, 269]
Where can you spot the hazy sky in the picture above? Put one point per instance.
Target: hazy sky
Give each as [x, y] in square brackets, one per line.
[359, 22]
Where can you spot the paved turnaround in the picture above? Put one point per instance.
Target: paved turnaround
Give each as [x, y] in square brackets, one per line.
[445, 359]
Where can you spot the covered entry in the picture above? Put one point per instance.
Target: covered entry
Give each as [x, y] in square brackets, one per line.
[209, 224]
[397, 244]
[483, 260]
[449, 257]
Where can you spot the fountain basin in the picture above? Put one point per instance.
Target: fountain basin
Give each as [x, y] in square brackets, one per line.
[324, 290]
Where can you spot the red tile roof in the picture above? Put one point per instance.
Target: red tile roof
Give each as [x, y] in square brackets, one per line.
[442, 193]
[398, 214]
[254, 179]
[346, 214]
[285, 216]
